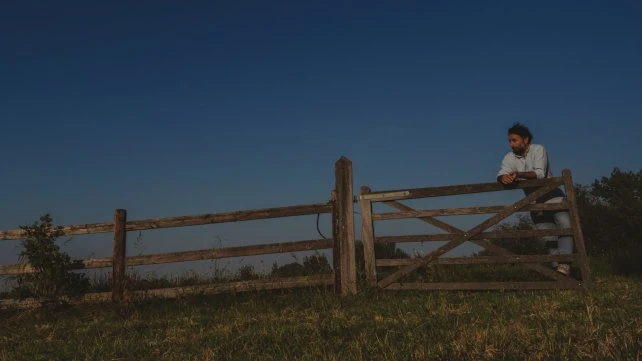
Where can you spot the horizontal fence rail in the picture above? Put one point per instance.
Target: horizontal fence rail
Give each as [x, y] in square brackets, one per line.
[185, 221]
[465, 211]
[397, 262]
[382, 196]
[206, 289]
[186, 256]
[471, 286]
[483, 235]
[343, 276]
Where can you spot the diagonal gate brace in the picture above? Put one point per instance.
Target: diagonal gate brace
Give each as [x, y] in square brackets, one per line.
[485, 244]
[507, 211]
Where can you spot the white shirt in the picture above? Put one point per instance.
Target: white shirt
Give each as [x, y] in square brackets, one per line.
[535, 160]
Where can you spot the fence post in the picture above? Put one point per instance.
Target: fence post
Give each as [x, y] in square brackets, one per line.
[343, 229]
[367, 238]
[118, 261]
[336, 245]
[576, 225]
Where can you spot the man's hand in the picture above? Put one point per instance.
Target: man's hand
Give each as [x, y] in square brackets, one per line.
[508, 178]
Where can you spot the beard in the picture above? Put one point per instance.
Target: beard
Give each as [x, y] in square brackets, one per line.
[519, 150]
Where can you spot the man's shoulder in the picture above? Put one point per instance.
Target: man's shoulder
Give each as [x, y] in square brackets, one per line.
[537, 147]
[509, 155]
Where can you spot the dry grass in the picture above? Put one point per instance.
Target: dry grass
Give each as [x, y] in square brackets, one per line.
[603, 323]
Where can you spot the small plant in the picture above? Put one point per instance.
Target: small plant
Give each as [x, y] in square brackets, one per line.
[51, 278]
[312, 265]
[246, 273]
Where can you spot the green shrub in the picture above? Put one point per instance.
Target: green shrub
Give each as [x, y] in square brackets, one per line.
[627, 262]
[52, 277]
[611, 215]
[312, 265]
[611, 212]
[247, 273]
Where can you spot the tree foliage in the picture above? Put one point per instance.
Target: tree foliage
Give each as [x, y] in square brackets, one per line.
[611, 212]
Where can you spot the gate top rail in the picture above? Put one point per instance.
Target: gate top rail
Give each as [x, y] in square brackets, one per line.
[413, 193]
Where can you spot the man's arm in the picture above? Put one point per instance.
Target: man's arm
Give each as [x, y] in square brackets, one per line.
[507, 178]
[506, 174]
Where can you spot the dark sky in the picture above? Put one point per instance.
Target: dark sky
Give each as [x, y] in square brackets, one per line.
[173, 108]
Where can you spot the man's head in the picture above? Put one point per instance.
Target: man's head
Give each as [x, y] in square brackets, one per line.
[519, 138]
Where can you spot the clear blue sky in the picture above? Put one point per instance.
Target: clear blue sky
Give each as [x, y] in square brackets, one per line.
[167, 108]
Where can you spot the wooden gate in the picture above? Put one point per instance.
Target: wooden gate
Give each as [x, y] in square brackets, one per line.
[477, 234]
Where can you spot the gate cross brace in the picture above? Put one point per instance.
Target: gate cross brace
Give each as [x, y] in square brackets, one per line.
[483, 243]
[465, 236]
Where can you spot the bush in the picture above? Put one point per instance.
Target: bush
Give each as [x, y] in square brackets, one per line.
[247, 273]
[626, 262]
[312, 265]
[52, 277]
[611, 214]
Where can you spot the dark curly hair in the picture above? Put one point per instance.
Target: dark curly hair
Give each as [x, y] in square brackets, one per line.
[521, 130]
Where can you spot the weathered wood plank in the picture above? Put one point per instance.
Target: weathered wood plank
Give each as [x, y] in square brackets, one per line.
[508, 210]
[464, 211]
[237, 216]
[336, 244]
[184, 221]
[488, 235]
[185, 256]
[208, 289]
[397, 262]
[93, 228]
[244, 251]
[89, 263]
[16, 269]
[578, 236]
[120, 253]
[367, 237]
[458, 189]
[20, 304]
[546, 271]
[345, 226]
[435, 222]
[243, 286]
[535, 285]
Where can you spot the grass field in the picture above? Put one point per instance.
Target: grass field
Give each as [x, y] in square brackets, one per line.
[601, 323]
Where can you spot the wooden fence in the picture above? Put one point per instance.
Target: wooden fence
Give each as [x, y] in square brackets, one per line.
[478, 235]
[341, 243]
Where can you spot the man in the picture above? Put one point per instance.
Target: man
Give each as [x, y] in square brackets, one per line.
[530, 161]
